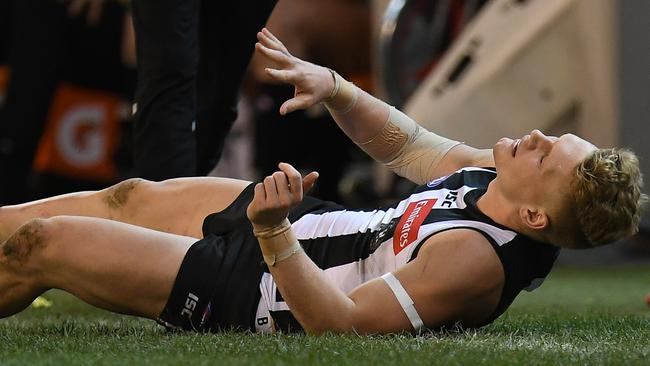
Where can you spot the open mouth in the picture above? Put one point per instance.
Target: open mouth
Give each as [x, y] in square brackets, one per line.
[515, 145]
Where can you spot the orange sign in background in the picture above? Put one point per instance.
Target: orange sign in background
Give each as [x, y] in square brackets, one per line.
[81, 134]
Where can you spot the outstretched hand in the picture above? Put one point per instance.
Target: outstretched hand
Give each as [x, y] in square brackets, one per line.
[277, 194]
[312, 83]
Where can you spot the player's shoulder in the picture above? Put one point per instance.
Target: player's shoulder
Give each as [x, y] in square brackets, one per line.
[468, 274]
[466, 252]
[459, 240]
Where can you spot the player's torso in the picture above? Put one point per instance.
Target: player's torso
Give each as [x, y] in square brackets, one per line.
[353, 247]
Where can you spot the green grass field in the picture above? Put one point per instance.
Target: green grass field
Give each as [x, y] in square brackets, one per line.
[579, 316]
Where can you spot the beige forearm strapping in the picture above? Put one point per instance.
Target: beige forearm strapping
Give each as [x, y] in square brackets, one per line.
[408, 148]
[277, 243]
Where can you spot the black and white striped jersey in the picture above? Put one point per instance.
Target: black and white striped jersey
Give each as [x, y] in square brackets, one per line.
[353, 247]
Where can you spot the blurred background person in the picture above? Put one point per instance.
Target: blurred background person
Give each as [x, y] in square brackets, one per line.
[336, 34]
[192, 56]
[68, 70]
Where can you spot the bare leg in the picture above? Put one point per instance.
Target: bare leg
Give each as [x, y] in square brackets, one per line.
[111, 265]
[175, 206]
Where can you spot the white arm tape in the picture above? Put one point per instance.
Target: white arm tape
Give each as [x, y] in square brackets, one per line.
[404, 300]
[407, 148]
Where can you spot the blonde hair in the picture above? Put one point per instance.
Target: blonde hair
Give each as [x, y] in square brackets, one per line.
[606, 197]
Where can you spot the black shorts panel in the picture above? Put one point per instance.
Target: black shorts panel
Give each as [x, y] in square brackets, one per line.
[223, 222]
[189, 305]
[224, 269]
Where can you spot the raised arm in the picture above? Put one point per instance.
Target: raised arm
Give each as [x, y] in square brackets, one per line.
[386, 134]
[455, 277]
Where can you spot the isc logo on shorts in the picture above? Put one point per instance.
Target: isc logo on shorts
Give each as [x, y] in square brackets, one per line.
[190, 305]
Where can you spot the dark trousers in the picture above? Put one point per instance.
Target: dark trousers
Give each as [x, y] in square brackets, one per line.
[317, 143]
[192, 56]
[44, 47]
[29, 91]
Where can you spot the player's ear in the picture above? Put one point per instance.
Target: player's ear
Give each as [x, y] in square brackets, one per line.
[534, 218]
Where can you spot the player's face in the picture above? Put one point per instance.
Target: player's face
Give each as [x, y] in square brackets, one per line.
[535, 167]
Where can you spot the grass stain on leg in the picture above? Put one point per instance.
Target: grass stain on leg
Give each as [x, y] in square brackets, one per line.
[118, 195]
[20, 245]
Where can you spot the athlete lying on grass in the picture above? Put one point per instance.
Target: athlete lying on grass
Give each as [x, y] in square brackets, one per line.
[457, 250]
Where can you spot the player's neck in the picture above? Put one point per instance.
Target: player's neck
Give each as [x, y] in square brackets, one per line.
[497, 207]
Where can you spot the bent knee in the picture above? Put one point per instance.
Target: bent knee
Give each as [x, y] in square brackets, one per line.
[30, 237]
[119, 195]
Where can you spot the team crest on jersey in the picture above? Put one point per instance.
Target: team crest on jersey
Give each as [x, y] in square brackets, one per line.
[407, 229]
[436, 181]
